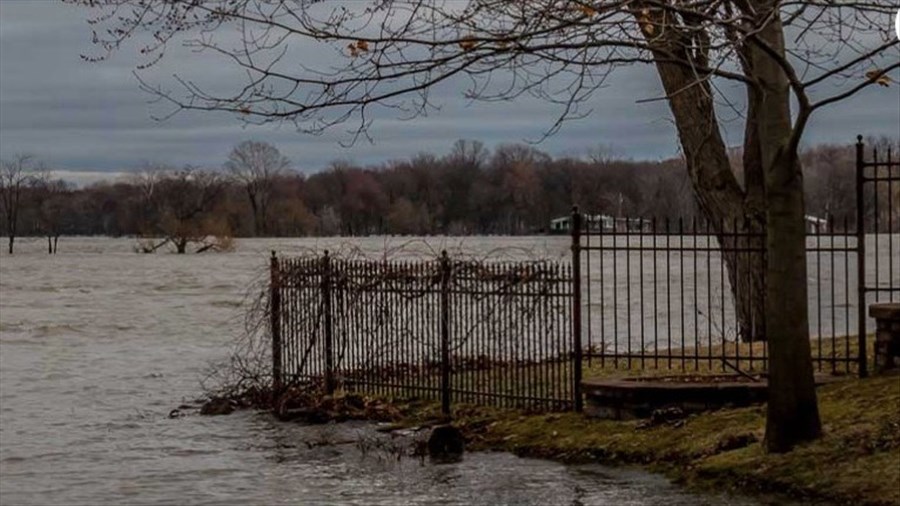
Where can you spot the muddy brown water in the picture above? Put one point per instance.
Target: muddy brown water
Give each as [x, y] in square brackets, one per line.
[98, 344]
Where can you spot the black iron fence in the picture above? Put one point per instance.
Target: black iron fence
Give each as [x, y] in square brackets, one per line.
[878, 233]
[639, 293]
[459, 331]
[689, 294]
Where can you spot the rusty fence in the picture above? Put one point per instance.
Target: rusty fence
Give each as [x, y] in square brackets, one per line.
[493, 333]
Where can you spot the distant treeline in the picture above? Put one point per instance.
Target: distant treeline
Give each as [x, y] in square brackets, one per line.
[514, 189]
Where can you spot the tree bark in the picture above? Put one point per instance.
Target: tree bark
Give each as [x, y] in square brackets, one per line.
[751, 269]
[257, 227]
[12, 239]
[792, 412]
[746, 270]
[729, 208]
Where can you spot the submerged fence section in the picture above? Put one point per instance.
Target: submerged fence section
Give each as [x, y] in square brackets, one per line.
[459, 331]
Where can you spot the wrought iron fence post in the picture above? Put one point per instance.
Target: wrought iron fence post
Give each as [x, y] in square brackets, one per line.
[576, 309]
[275, 321]
[861, 258]
[445, 333]
[329, 323]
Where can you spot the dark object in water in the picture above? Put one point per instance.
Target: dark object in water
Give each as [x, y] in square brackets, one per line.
[446, 441]
[217, 406]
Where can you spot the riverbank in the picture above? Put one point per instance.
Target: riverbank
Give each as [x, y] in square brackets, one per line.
[857, 461]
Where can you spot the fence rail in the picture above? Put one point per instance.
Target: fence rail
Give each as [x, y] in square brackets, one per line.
[479, 332]
[670, 296]
[690, 294]
[662, 294]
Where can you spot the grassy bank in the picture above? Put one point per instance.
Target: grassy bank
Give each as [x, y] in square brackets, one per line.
[857, 461]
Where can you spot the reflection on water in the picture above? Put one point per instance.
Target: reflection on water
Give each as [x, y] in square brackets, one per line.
[98, 344]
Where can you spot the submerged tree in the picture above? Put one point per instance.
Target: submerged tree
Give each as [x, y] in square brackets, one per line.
[256, 166]
[16, 176]
[390, 54]
[49, 198]
[176, 209]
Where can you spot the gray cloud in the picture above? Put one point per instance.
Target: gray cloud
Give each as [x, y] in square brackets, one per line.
[92, 117]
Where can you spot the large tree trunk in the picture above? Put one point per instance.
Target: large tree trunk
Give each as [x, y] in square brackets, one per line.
[264, 216]
[729, 208]
[746, 270]
[260, 206]
[793, 414]
[749, 276]
[251, 196]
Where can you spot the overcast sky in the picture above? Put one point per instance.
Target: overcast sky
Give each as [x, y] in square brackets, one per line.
[93, 119]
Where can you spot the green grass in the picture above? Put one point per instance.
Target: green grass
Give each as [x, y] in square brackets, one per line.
[856, 461]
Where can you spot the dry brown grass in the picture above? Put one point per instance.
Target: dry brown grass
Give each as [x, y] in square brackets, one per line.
[728, 358]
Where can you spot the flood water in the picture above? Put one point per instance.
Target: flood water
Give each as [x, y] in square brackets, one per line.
[98, 344]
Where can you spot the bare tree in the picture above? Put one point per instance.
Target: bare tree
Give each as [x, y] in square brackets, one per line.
[49, 198]
[391, 54]
[255, 166]
[177, 209]
[146, 182]
[15, 176]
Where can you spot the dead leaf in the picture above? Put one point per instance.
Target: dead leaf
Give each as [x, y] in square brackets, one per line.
[588, 10]
[646, 23]
[362, 45]
[467, 44]
[881, 80]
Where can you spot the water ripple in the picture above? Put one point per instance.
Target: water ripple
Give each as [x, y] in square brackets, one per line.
[96, 349]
